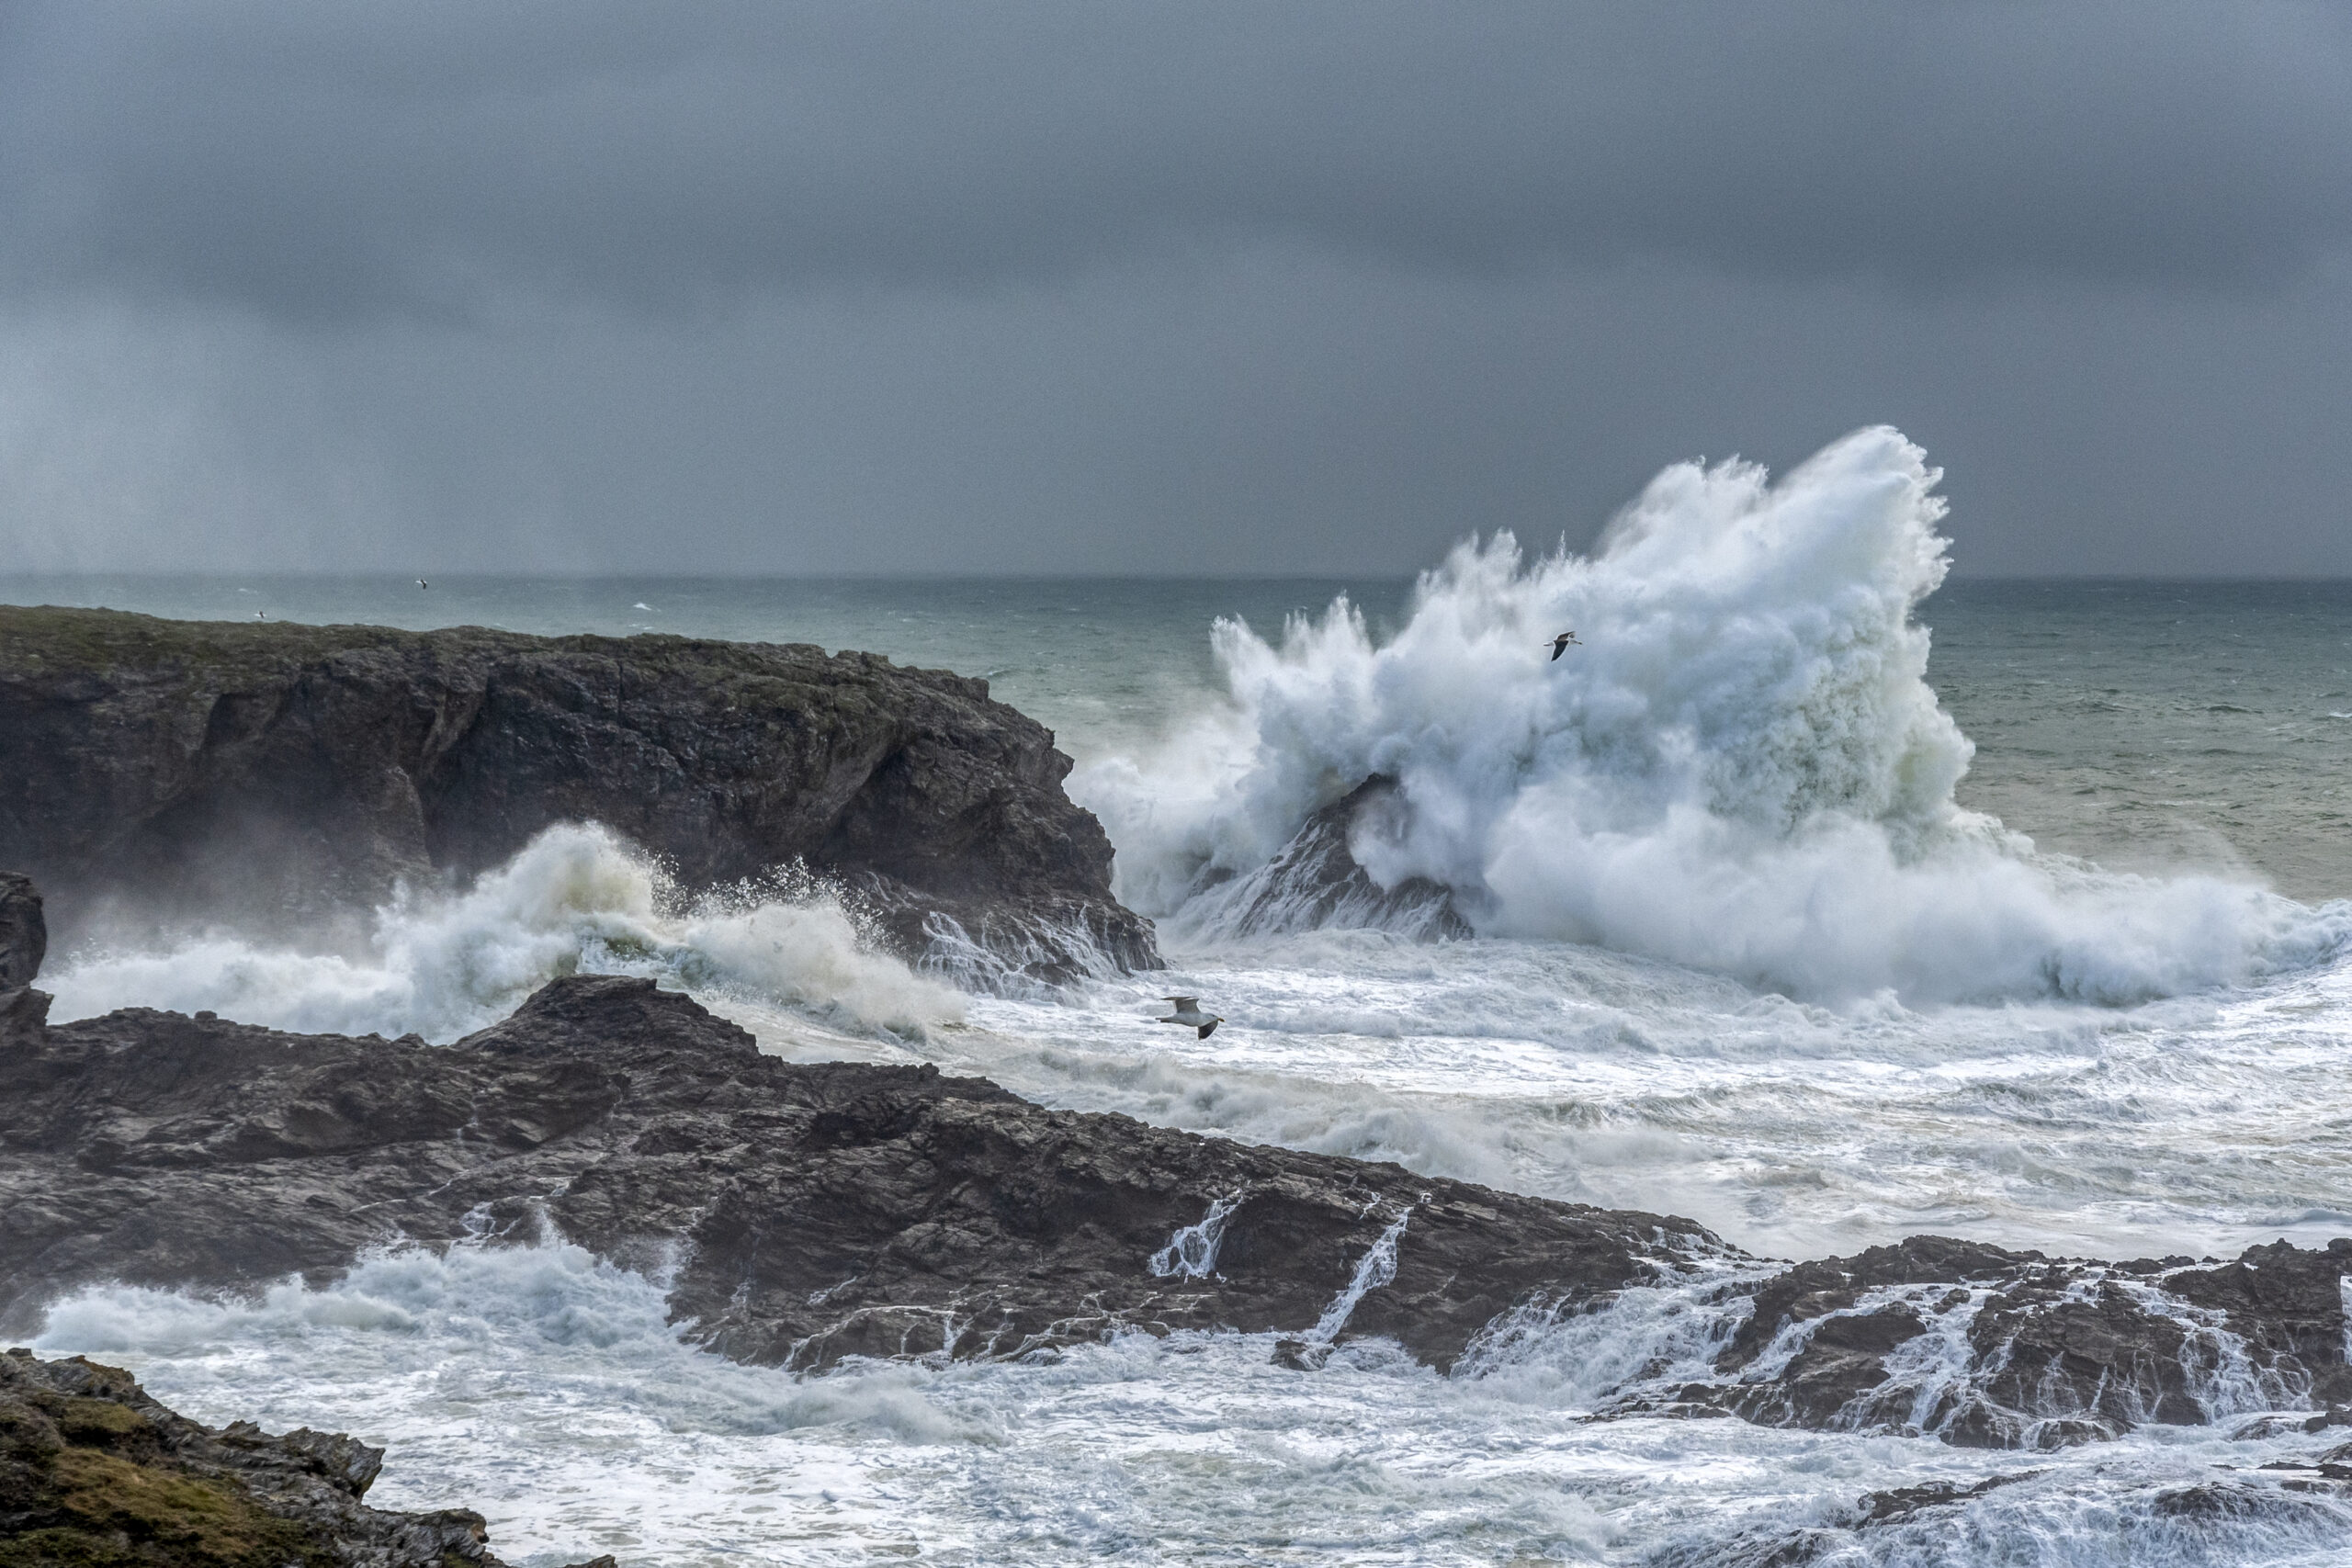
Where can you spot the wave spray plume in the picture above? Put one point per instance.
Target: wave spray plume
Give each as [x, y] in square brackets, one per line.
[1743, 769]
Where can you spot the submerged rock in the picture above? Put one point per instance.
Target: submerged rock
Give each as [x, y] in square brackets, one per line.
[96, 1473]
[191, 768]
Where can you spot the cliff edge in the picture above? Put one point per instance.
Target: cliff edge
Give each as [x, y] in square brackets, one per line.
[188, 769]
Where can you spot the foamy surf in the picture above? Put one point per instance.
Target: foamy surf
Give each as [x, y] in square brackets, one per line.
[576, 899]
[545, 1388]
[1743, 770]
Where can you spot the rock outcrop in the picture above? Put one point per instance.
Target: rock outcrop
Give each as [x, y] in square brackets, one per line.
[24, 935]
[1318, 880]
[805, 1212]
[825, 1210]
[197, 768]
[96, 1473]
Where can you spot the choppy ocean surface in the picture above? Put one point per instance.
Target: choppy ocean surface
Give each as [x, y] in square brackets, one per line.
[1817, 900]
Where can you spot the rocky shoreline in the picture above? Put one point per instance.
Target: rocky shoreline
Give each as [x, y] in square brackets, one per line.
[96, 1473]
[803, 1213]
[291, 774]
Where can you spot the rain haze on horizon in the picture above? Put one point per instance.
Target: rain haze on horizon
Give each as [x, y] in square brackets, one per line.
[1235, 289]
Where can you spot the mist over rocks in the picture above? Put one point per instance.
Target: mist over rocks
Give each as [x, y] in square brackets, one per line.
[94, 1472]
[800, 1214]
[293, 775]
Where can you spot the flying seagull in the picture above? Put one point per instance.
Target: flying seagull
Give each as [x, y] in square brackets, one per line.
[1562, 643]
[1188, 1013]
[422, 583]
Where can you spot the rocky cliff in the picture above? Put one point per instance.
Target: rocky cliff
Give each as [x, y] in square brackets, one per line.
[97, 1474]
[195, 768]
[832, 1210]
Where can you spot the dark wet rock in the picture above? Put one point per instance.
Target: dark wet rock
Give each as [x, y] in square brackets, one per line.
[1987, 1347]
[1815, 1289]
[1317, 882]
[2289, 1304]
[24, 935]
[96, 1473]
[1900, 1505]
[824, 1211]
[24, 941]
[806, 1212]
[1843, 1359]
[188, 769]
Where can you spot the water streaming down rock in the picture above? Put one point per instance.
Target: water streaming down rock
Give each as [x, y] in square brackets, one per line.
[1317, 882]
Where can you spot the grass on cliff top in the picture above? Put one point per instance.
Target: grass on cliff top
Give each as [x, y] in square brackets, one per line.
[84, 1485]
[102, 641]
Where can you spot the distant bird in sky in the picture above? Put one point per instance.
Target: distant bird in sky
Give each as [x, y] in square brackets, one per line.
[1562, 643]
[1188, 1013]
[422, 583]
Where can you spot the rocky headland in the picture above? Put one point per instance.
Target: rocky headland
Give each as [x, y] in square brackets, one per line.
[94, 1473]
[182, 769]
[806, 1212]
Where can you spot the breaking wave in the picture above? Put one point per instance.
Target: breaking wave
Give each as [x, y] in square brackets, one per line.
[1743, 769]
[575, 900]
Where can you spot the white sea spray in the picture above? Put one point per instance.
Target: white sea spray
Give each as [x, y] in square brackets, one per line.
[576, 898]
[1744, 768]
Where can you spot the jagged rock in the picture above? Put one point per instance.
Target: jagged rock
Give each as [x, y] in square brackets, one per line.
[1317, 883]
[24, 935]
[24, 941]
[838, 1208]
[198, 768]
[828, 1210]
[96, 1473]
[1991, 1348]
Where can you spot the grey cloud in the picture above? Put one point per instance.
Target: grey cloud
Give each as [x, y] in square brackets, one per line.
[442, 160]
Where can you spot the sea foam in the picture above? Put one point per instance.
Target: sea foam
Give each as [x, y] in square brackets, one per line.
[574, 899]
[1743, 769]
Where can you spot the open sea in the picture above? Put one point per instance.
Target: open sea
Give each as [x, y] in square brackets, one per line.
[1818, 899]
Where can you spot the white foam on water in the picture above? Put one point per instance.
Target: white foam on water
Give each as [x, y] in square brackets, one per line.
[575, 900]
[1744, 770]
[545, 1388]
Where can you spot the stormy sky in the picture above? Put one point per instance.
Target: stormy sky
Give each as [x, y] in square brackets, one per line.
[1106, 287]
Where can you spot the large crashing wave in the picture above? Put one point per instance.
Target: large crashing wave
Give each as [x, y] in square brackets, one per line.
[1743, 769]
[576, 898]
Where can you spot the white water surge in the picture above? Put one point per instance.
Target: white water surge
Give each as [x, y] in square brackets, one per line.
[575, 900]
[1742, 770]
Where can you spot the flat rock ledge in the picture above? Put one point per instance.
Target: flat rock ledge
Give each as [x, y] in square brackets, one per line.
[97, 1474]
[295, 774]
[803, 1213]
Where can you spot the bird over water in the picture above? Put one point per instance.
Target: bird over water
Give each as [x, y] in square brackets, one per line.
[1187, 1013]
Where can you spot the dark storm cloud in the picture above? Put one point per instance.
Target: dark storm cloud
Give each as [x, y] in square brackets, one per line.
[318, 162]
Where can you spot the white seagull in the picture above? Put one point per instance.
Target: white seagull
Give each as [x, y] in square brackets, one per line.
[422, 583]
[1188, 1013]
[1564, 642]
